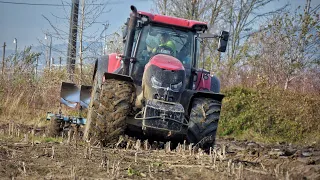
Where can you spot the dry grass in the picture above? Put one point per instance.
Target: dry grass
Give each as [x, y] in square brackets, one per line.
[26, 99]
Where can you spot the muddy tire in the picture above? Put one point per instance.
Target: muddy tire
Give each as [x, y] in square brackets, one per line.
[110, 110]
[90, 127]
[116, 100]
[54, 128]
[204, 118]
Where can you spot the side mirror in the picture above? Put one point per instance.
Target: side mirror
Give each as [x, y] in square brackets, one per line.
[223, 41]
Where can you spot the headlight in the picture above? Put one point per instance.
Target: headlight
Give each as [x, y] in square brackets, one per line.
[176, 87]
[155, 82]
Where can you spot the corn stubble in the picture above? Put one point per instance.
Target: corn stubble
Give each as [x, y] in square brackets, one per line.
[72, 158]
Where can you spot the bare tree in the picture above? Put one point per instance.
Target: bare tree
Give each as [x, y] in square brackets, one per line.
[288, 49]
[242, 15]
[90, 12]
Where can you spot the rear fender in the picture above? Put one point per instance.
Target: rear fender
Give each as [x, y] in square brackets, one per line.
[120, 77]
[100, 67]
[107, 63]
[114, 62]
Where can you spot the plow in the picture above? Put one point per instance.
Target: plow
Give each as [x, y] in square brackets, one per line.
[155, 89]
[73, 97]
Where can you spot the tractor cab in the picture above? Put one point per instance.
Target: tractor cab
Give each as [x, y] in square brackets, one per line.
[158, 34]
[155, 34]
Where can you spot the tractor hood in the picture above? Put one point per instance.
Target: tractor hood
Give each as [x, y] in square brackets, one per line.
[164, 78]
[165, 62]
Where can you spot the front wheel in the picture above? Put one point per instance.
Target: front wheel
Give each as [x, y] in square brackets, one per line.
[203, 124]
[116, 100]
[110, 104]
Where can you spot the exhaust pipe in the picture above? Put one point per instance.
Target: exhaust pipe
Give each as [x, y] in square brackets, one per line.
[129, 43]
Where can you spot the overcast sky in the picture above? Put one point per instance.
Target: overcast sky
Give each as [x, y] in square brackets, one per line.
[27, 24]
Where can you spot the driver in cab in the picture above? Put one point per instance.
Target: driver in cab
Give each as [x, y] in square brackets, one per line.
[166, 46]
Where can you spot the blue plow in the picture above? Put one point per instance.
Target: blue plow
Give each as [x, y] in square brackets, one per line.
[75, 97]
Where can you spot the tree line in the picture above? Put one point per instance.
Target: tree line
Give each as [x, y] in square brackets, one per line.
[276, 47]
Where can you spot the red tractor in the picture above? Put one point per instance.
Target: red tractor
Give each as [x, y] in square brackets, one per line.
[155, 87]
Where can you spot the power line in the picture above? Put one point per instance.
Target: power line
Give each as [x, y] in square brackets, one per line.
[31, 4]
[55, 5]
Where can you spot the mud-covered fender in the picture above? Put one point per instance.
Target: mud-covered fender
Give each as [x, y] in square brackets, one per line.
[100, 67]
[117, 77]
[107, 63]
[189, 95]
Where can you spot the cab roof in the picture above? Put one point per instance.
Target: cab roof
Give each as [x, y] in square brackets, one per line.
[191, 24]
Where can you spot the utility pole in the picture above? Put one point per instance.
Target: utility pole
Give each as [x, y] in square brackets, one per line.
[60, 63]
[3, 57]
[50, 52]
[24, 54]
[81, 37]
[72, 38]
[52, 62]
[15, 41]
[50, 49]
[37, 60]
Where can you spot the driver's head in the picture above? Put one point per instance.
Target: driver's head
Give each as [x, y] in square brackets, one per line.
[164, 37]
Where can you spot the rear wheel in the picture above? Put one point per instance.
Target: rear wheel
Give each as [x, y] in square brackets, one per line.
[111, 109]
[204, 118]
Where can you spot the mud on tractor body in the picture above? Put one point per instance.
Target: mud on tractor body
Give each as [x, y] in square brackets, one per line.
[155, 88]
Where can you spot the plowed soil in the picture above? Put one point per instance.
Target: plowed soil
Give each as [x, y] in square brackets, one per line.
[25, 154]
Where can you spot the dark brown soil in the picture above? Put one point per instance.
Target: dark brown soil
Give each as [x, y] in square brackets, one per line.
[28, 158]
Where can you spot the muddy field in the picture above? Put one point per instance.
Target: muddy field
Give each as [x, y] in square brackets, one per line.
[25, 153]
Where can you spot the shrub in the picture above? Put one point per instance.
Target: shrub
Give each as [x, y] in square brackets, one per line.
[272, 114]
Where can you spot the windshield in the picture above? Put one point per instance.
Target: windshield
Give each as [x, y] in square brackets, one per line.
[165, 40]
